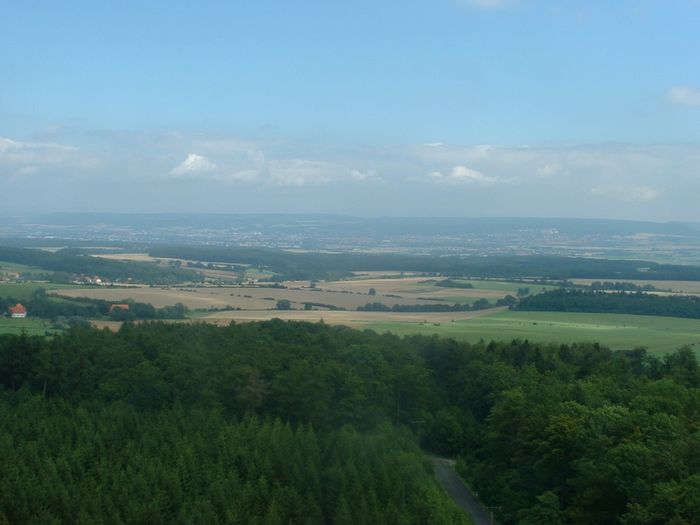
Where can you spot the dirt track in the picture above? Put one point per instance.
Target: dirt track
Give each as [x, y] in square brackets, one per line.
[458, 491]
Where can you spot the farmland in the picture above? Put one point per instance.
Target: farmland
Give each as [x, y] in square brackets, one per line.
[658, 334]
[223, 304]
[24, 290]
[346, 295]
[336, 302]
[351, 318]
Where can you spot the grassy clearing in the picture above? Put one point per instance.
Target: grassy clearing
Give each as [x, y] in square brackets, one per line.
[31, 326]
[658, 334]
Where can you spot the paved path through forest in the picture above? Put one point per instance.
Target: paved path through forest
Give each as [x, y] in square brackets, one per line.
[458, 490]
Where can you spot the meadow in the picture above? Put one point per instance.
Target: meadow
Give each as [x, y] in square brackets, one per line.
[24, 290]
[30, 326]
[657, 334]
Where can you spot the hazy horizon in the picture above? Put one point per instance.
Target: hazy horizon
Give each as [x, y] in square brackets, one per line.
[454, 108]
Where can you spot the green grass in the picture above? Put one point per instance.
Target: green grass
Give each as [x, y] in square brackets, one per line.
[31, 326]
[657, 334]
[13, 267]
[23, 291]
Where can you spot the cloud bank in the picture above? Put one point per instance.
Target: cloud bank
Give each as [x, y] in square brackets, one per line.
[195, 172]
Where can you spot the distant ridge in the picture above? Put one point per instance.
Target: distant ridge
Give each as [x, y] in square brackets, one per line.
[381, 225]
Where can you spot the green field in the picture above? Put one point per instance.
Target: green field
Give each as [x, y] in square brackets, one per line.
[657, 334]
[31, 326]
[23, 291]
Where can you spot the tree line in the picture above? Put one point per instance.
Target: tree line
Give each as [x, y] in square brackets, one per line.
[71, 263]
[479, 304]
[329, 266]
[637, 303]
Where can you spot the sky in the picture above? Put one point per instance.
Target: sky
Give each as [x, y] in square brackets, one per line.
[373, 108]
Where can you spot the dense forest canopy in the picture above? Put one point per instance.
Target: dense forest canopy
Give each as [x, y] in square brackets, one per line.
[547, 433]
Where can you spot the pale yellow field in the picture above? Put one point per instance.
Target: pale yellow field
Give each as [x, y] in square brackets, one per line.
[350, 318]
[342, 294]
[139, 257]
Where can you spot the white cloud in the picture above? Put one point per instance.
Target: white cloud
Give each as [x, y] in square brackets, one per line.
[551, 169]
[644, 193]
[684, 96]
[303, 172]
[18, 159]
[625, 193]
[462, 175]
[194, 165]
[651, 180]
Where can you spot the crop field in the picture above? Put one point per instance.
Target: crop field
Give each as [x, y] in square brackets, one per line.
[340, 294]
[657, 334]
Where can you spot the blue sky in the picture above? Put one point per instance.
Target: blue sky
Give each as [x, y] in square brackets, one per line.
[413, 107]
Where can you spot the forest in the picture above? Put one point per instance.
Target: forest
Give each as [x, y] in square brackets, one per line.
[637, 303]
[73, 262]
[290, 422]
[330, 266]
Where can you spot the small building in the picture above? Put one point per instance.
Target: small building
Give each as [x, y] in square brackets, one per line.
[18, 311]
[114, 307]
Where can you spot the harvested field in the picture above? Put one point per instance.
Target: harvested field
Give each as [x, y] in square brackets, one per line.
[138, 257]
[350, 318]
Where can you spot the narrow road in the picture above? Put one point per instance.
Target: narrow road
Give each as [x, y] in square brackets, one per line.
[458, 490]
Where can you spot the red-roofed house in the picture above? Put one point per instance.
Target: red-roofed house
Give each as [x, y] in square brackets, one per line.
[18, 311]
[114, 307]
